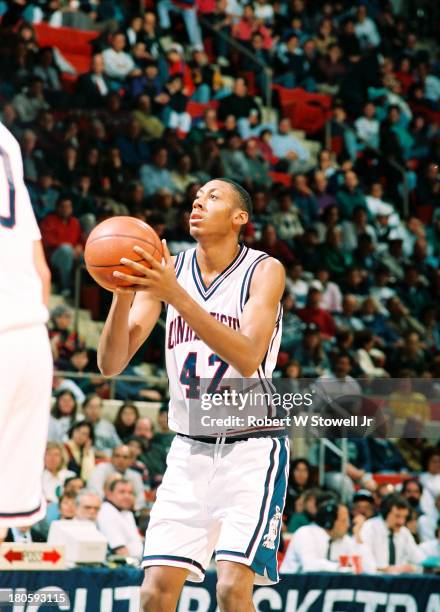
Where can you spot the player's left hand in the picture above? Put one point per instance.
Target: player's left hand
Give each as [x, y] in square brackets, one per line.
[159, 280]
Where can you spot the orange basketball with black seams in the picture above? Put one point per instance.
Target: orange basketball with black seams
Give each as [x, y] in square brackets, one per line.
[113, 239]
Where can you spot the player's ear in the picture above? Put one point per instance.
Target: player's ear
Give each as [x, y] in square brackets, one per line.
[241, 217]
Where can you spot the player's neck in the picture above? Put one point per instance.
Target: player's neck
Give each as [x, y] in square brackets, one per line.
[213, 258]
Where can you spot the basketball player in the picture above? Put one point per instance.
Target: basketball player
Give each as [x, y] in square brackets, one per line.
[219, 494]
[25, 356]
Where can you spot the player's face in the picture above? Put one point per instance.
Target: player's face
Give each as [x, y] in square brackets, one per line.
[214, 212]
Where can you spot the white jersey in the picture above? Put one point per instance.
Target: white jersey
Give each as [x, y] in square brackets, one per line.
[21, 297]
[188, 359]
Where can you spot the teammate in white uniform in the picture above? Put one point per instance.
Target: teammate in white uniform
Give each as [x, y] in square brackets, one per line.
[220, 494]
[25, 356]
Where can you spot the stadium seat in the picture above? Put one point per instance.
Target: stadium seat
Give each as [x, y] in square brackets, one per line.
[197, 109]
[249, 77]
[74, 45]
[65, 39]
[337, 144]
[281, 177]
[307, 111]
[393, 478]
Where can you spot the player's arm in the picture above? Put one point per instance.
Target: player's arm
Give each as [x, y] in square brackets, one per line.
[130, 321]
[42, 269]
[243, 349]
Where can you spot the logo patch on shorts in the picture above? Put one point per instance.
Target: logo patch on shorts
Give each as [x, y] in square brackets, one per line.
[270, 537]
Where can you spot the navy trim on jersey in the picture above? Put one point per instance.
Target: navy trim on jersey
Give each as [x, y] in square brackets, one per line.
[12, 515]
[174, 558]
[207, 292]
[178, 264]
[244, 293]
[9, 221]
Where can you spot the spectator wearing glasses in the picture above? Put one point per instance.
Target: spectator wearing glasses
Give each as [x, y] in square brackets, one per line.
[88, 505]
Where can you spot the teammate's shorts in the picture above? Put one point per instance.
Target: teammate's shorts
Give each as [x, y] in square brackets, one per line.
[25, 389]
[223, 499]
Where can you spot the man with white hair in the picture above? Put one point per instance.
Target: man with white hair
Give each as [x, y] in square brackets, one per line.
[88, 504]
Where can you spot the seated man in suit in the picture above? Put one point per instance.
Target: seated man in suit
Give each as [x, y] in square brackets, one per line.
[93, 87]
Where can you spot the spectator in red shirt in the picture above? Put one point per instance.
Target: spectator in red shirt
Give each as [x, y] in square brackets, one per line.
[313, 313]
[62, 240]
[249, 25]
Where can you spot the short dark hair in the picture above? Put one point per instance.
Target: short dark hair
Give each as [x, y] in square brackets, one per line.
[428, 455]
[393, 501]
[243, 196]
[114, 483]
[79, 424]
[68, 480]
[68, 494]
[411, 481]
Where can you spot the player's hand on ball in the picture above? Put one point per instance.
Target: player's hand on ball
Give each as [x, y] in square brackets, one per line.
[159, 279]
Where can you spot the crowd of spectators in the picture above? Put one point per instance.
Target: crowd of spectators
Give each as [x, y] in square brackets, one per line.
[362, 258]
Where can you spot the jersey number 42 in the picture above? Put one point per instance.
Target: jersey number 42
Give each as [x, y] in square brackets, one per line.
[189, 378]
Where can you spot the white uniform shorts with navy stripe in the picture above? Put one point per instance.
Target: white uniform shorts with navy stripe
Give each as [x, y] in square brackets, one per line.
[222, 499]
[25, 389]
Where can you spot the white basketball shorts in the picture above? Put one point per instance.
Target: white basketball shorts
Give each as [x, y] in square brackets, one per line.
[25, 389]
[222, 499]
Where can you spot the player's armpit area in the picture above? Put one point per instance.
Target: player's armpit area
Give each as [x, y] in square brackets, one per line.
[261, 309]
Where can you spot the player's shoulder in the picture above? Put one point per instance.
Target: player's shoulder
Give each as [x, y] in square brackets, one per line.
[7, 139]
[266, 264]
[262, 258]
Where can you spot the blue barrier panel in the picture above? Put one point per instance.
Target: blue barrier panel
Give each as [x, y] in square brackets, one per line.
[104, 590]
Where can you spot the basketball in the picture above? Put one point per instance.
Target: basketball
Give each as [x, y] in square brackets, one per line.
[115, 238]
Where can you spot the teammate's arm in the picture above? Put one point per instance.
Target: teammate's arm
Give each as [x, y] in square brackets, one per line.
[42, 269]
[129, 323]
[243, 349]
